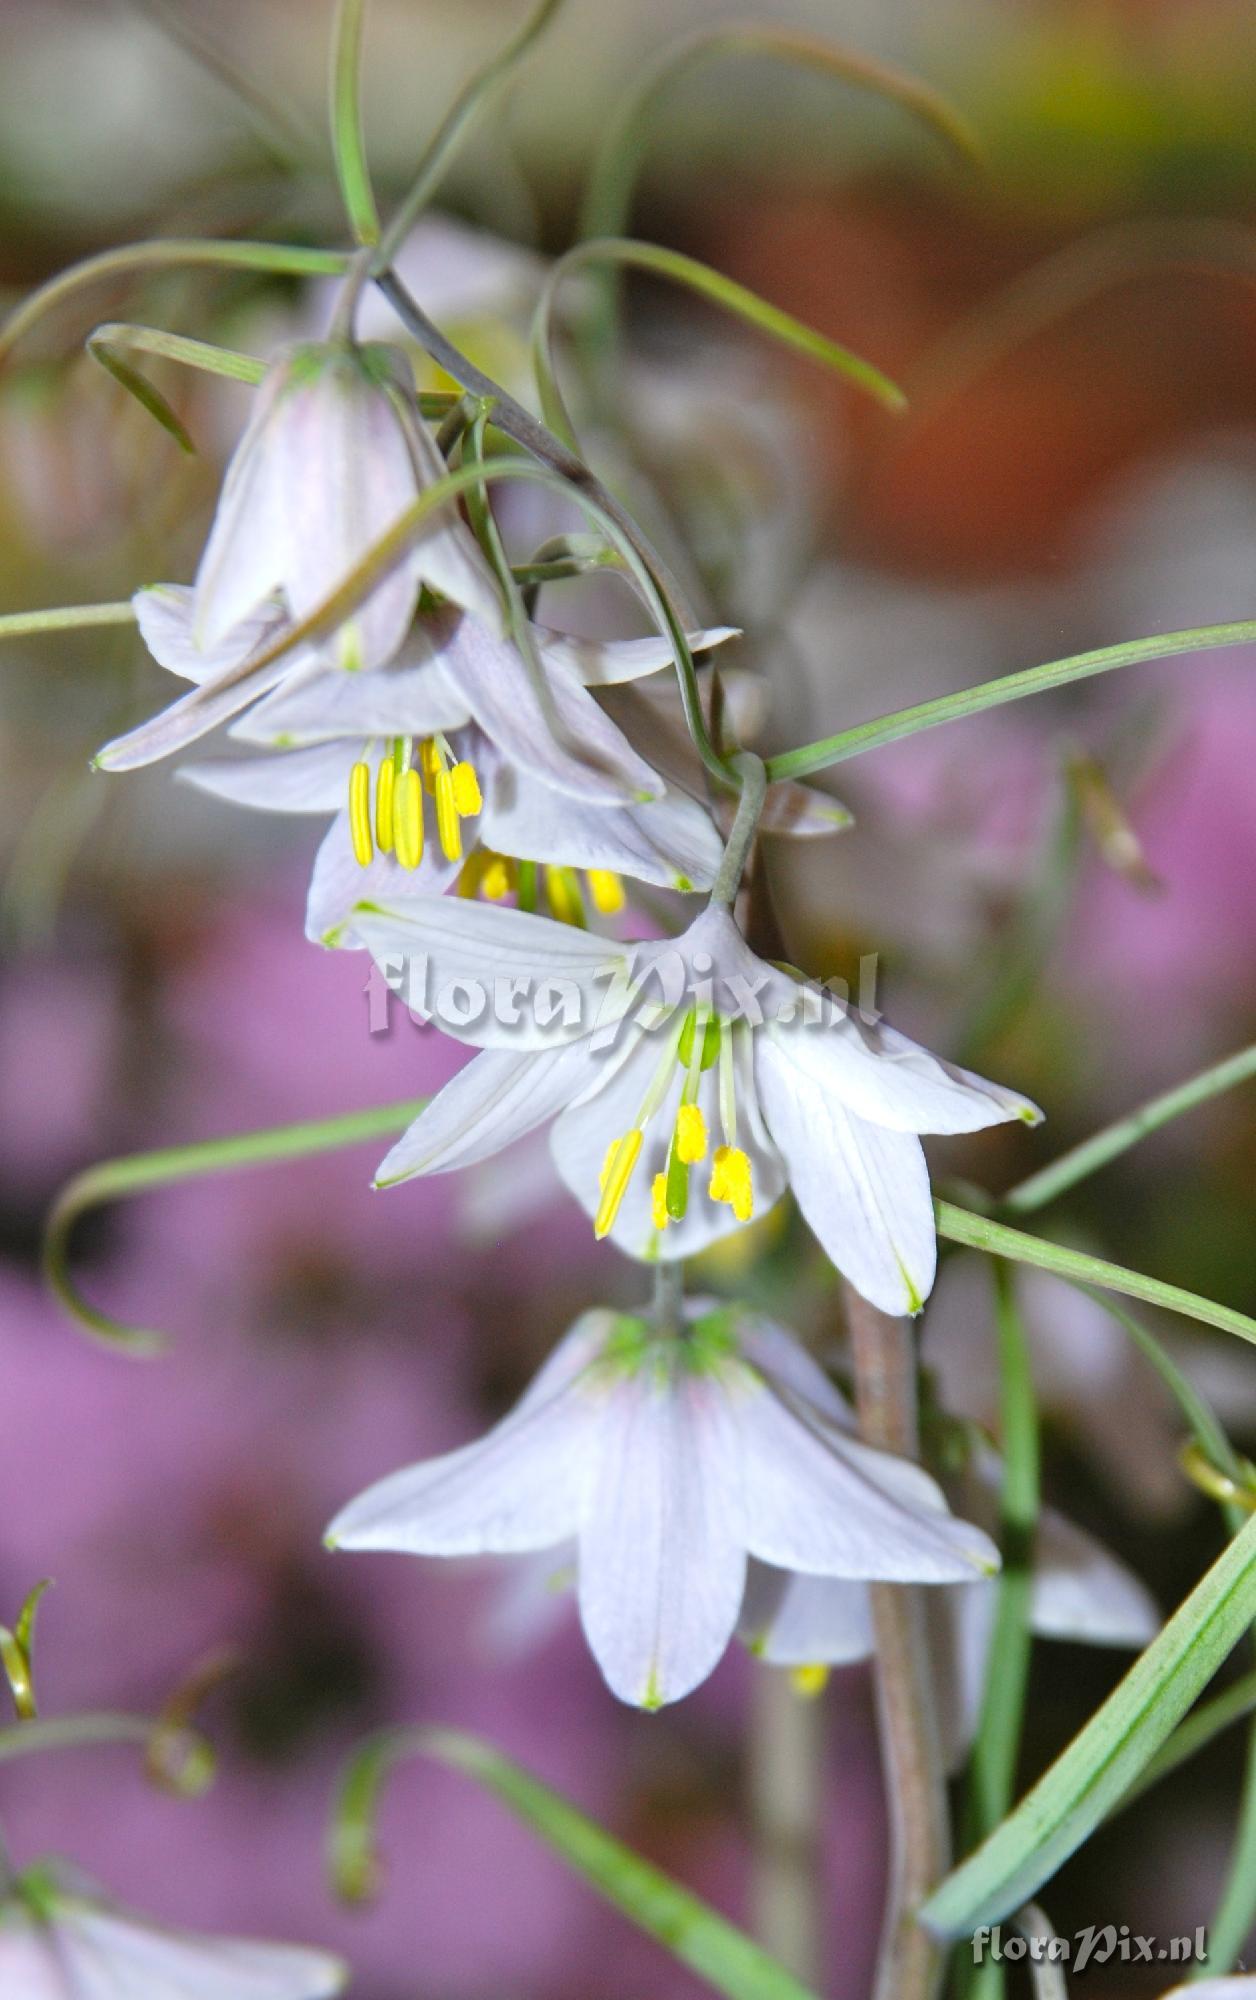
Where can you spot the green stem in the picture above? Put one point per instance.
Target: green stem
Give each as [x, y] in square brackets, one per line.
[829, 750]
[745, 826]
[345, 108]
[65, 618]
[1235, 1914]
[786, 1778]
[1050, 1182]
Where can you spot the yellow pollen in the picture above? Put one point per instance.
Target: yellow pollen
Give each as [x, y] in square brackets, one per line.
[431, 763]
[606, 890]
[385, 787]
[658, 1201]
[562, 892]
[467, 799]
[360, 814]
[730, 1181]
[447, 817]
[691, 1134]
[498, 877]
[621, 1158]
[809, 1681]
[408, 819]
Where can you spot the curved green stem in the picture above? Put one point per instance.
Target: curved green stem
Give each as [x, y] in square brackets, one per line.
[137, 1173]
[754, 787]
[65, 618]
[345, 107]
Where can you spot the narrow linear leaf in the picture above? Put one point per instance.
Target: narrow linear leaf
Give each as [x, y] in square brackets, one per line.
[1097, 1769]
[122, 335]
[145, 394]
[980, 1232]
[138, 1173]
[1087, 1158]
[345, 104]
[1200, 1728]
[65, 618]
[829, 750]
[683, 1925]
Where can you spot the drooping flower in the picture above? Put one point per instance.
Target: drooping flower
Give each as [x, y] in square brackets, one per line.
[691, 1083]
[60, 1941]
[671, 1458]
[333, 456]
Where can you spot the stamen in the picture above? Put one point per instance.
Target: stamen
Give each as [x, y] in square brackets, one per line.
[711, 1037]
[466, 788]
[607, 891]
[431, 763]
[408, 818]
[676, 1184]
[563, 895]
[728, 1088]
[691, 1134]
[498, 878]
[447, 817]
[809, 1681]
[360, 814]
[385, 788]
[731, 1181]
[621, 1158]
[658, 1201]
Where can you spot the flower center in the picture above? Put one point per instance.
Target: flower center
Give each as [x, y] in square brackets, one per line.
[696, 1046]
[495, 876]
[396, 826]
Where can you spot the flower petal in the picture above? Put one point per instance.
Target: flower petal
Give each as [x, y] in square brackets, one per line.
[219, 697]
[497, 1098]
[243, 559]
[292, 781]
[164, 614]
[524, 981]
[781, 1356]
[595, 761]
[792, 1620]
[410, 696]
[340, 882]
[449, 559]
[107, 1953]
[882, 1077]
[607, 662]
[519, 1487]
[802, 812]
[27, 1964]
[661, 1571]
[864, 1190]
[1081, 1591]
[671, 841]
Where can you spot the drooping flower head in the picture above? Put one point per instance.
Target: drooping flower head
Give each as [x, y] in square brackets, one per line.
[691, 1083]
[671, 1456]
[60, 1941]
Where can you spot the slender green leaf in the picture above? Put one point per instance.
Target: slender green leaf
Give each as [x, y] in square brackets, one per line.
[182, 1765]
[709, 284]
[279, 259]
[138, 1173]
[471, 100]
[1201, 1727]
[1101, 1763]
[980, 1232]
[829, 750]
[201, 354]
[17, 1651]
[65, 618]
[145, 394]
[345, 103]
[684, 1926]
[1081, 1161]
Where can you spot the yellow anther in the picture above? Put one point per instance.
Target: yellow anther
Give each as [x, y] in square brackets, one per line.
[385, 788]
[562, 892]
[408, 819]
[467, 799]
[447, 818]
[658, 1201]
[431, 763]
[498, 878]
[691, 1134]
[731, 1182]
[809, 1681]
[360, 814]
[606, 890]
[621, 1158]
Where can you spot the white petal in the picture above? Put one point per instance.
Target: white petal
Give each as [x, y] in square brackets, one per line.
[780, 1355]
[243, 559]
[1082, 1592]
[293, 781]
[881, 1076]
[661, 1571]
[496, 1099]
[802, 812]
[340, 882]
[960, 1627]
[1238, 1986]
[451, 956]
[27, 1966]
[607, 662]
[411, 696]
[109, 1954]
[864, 1190]
[792, 1620]
[449, 558]
[193, 715]
[164, 614]
[671, 841]
[519, 1487]
[818, 1501]
[592, 759]
[583, 1133]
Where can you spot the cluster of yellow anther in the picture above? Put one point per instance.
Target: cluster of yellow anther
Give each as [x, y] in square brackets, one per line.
[730, 1179]
[497, 875]
[395, 826]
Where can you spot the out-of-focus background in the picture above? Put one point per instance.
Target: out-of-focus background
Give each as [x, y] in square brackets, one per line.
[1062, 893]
